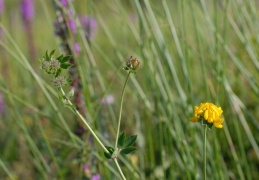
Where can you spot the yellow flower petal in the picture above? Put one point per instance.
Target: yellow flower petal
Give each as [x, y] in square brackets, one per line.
[206, 114]
[209, 112]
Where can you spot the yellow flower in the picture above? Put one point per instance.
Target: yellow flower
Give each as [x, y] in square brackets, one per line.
[209, 112]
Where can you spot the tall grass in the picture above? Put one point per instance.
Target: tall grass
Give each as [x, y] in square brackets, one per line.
[191, 51]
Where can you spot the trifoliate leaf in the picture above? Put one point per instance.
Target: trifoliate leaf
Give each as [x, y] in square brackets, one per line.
[52, 53]
[130, 140]
[128, 150]
[109, 155]
[66, 65]
[65, 59]
[60, 58]
[110, 149]
[47, 56]
[58, 72]
[121, 139]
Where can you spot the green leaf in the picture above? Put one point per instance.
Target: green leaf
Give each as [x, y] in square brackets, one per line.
[110, 149]
[210, 125]
[47, 56]
[52, 53]
[58, 72]
[121, 139]
[66, 65]
[60, 58]
[65, 59]
[128, 150]
[126, 68]
[107, 155]
[130, 140]
[206, 123]
[69, 81]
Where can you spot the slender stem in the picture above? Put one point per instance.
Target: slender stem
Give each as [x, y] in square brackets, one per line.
[204, 152]
[90, 129]
[84, 121]
[119, 122]
[120, 171]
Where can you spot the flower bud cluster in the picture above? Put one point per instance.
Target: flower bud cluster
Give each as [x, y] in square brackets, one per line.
[133, 64]
[51, 66]
[59, 81]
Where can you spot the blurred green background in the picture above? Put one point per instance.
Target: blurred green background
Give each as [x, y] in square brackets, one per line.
[192, 52]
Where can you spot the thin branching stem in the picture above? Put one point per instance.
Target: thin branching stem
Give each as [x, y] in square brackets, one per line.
[83, 120]
[119, 121]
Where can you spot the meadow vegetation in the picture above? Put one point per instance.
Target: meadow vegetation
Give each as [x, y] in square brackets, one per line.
[190, 52]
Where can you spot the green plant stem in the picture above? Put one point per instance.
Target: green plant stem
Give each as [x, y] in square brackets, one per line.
[118, 166]
[204, 151]
[119, 122]
[91, 130]
[84, 121]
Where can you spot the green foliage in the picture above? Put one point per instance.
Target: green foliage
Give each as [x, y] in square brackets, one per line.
[55, 66]
[128, 150]
[121, 139]
[206, 123]
[193, 52]
[130, 140]
[111, 150]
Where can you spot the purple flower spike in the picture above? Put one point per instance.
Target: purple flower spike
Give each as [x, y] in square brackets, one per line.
[77, 47]
[96, 177]
[89, 24]
[85, 167]
[1, 7]
[72, 25]
[2, 104]
[27, 8]
[65, 2]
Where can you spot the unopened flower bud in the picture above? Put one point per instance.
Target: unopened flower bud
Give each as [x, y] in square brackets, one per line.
[46, 65]
[59, 81]
[132, 64]
[55, 64]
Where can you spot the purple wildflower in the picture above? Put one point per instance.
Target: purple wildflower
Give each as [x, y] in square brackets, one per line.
[96, 177]
[1, 7]
[89, 24]
[65, 2]
[85, 167]
[2, 104]
[109, 99]
[72, 25]
[27, 8]
[77, 47]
